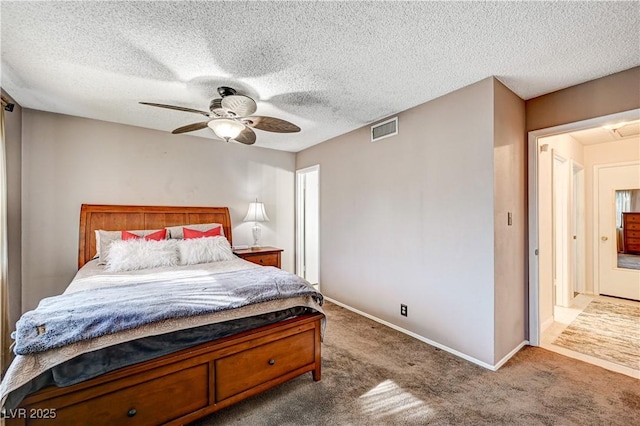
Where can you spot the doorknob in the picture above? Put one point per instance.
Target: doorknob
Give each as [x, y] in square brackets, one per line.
[604, 238]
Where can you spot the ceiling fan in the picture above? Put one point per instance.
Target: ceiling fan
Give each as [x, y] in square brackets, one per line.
[230, 117]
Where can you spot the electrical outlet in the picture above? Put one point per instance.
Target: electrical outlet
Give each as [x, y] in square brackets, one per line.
[403, 310]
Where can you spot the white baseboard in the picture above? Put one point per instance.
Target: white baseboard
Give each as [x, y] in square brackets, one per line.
[508, 356]
[431, 342]
[546, 325]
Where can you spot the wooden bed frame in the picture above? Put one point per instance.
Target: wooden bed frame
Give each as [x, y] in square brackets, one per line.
[184, 386]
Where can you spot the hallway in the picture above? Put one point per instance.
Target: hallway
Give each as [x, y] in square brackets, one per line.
[564, 317]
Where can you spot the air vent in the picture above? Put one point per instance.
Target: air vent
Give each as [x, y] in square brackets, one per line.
[384, 129]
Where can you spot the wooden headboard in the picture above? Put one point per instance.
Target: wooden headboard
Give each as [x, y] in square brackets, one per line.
[117, 218]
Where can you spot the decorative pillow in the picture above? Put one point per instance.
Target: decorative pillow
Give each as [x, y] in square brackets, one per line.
[193, 233]
[156, 236]
[105, 238]
[176, 232]
[204, 250]
[97, 256]
[135, 254]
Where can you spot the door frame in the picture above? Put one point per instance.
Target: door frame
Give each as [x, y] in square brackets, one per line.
[299, 226]
[533, 150]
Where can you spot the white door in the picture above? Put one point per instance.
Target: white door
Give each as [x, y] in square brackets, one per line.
[563, 293]
[578, 254]
[614, 281]
[308, 223]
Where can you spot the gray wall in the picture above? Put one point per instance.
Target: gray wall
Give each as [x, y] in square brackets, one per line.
[68, 161]
[510, 184]
[410, 219]
[13, 140]
[614, 93]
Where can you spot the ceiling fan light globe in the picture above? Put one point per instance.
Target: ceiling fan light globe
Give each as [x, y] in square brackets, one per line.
[225, 128]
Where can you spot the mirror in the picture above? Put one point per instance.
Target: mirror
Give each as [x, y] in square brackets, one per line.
[628, 228]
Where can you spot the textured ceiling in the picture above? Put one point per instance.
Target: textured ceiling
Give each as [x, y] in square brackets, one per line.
[329, 67]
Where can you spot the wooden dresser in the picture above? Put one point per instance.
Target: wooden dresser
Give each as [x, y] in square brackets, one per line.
[631, 232]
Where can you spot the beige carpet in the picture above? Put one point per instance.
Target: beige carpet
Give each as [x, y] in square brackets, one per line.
[373, 375]
[606, 330]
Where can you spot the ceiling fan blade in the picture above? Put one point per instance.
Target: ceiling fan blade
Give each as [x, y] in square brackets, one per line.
[271, 124]
[179, 108]
[247, 136]
[240, 105]
[190, 127]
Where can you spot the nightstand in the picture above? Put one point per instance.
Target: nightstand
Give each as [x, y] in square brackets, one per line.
[265, 256]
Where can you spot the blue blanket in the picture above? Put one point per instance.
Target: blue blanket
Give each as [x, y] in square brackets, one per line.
[69, 318]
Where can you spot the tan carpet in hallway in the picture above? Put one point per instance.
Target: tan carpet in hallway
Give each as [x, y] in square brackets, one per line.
[373, 375]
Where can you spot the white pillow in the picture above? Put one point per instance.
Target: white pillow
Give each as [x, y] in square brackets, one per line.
[204, 250]
[97, 245]
[105, 238]
[176, 232]
[132, 255]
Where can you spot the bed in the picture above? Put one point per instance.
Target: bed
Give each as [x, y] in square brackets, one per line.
[256, 345]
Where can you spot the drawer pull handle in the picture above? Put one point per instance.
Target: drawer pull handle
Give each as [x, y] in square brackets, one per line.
[261, 260]
[132, 412]
[272, 361]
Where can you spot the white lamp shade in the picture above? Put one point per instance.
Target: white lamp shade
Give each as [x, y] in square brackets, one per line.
[225, 128]
[256, 213]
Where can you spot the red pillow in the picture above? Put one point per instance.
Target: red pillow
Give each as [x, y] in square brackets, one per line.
[156, 236]
[192, 233]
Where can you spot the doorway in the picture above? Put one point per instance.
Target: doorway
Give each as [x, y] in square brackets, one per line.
[308, 224]
[568, 227]
[559, 237]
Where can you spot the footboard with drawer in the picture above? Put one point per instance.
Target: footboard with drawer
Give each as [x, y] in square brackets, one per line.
[182, 387]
